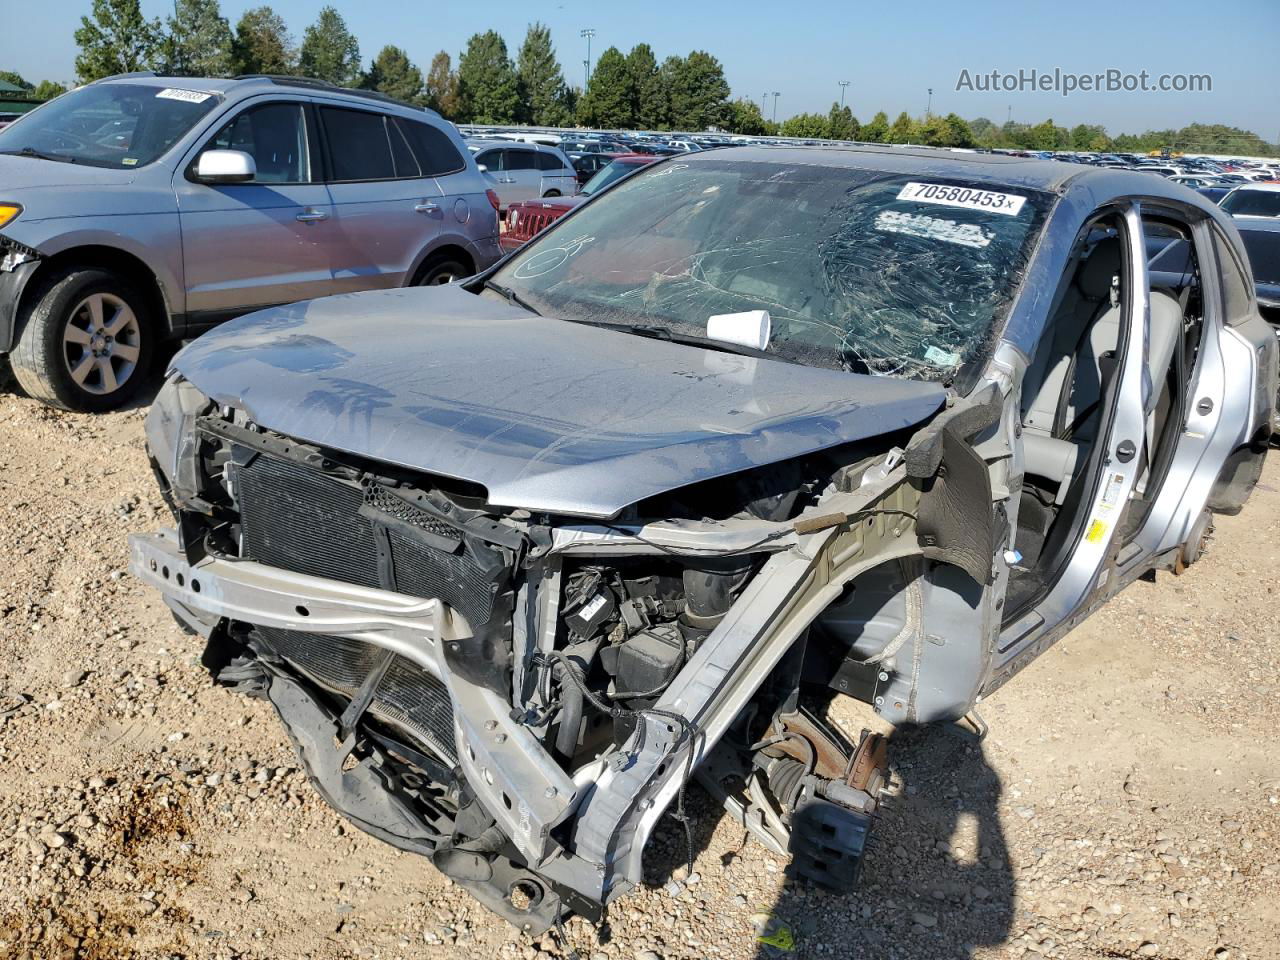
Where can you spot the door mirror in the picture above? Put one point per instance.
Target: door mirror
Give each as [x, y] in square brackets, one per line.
[225, 166]
[482, 168]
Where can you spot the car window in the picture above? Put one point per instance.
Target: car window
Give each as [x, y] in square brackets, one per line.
[521, 160]
[859, 269]
[359, 147]
[406, 163]
[491, 160]
[1235, 283]
[275, 135]
[115, 125]
[549, 161]
[434, 150]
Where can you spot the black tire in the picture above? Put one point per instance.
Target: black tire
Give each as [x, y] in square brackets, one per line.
[441, 269]
[110, 368]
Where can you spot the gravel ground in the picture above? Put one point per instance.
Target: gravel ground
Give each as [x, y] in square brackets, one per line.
[1123, 805]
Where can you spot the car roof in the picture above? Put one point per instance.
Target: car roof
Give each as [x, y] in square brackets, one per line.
[995, 169]
[1259, 188]
[239, 86]
[483, 144]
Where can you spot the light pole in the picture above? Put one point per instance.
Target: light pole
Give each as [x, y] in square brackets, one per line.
[764, 103]
[928, 111]
[776, 95]
[844, 84]
[589, 32]
[1009, 118]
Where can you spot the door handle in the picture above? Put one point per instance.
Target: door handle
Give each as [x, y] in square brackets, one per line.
[311, 216]
[427, 207]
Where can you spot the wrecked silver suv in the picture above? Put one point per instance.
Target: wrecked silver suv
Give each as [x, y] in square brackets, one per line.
[514, 558]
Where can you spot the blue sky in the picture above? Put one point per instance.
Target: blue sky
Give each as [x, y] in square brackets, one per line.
[891, 53]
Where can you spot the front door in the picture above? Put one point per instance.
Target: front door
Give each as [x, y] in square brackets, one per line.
[251, 245]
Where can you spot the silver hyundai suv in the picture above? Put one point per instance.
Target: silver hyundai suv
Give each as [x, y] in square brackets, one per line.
[143, 208]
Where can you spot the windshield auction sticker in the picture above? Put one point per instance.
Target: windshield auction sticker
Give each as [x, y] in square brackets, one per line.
[932, 228]
[187, 96]
[1008, 204]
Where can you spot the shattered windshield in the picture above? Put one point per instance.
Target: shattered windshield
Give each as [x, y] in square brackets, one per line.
[859, 270]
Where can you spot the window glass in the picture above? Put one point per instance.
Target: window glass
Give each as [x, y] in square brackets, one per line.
[549, 161]
[275, 135]
[435, 151]
[358, 145]
[1235, 282]
[860, 269]
[521, 160]
[119, 125]
[406, 164]
[492, 160]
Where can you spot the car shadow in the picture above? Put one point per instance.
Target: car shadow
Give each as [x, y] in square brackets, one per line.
[936, 882]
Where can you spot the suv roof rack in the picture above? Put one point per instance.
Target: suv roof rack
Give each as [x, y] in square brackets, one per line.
[311, 83]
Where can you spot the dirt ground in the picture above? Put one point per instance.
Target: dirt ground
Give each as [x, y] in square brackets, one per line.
[1124, 803]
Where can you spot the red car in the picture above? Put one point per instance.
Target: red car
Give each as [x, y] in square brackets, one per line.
[525, 220]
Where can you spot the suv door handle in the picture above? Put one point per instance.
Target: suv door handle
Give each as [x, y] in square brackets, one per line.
[311, 216]
[427, 207]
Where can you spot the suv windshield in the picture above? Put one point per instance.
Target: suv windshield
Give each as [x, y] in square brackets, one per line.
[118, 125]
[1252, 203]
[859, 269]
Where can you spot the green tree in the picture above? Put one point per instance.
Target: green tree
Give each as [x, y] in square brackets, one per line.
[745, 118]
[841, 123]
[488, 91]
[330, 51]
[1043, 136]
[904, 130]
[199, 43]
[442, 86]
[607, 102]
[649, 103]
[877, 131]
[262, 44]
[668, 76]
[393, 73]
[9, 76]
[116, 38]
[700, 96]
[806, 126]
[47, 90]
[542, 86]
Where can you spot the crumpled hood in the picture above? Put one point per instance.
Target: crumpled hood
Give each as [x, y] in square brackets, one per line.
[546, 414]
[19, 175]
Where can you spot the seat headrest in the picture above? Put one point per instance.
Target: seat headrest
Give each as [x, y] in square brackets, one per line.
[1094, 277]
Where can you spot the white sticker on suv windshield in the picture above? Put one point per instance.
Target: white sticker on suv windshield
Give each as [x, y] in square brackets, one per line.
[1008, 204]
[932, 228]
[187, 96]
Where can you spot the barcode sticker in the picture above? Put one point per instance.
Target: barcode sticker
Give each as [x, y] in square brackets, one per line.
[1008, 204]
[186, 96]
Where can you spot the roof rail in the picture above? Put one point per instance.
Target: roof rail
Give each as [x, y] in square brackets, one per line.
[313, 84]
[125, 76]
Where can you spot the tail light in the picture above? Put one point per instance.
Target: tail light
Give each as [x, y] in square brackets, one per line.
[493, 199]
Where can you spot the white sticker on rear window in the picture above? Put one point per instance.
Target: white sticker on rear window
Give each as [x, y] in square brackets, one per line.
[932, 228]
[1008, 204]
[187, 96]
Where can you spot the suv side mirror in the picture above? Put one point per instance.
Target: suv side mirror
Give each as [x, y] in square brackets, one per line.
[225, 166]
[482, 168]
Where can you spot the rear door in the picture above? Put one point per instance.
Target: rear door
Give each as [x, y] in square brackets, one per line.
[387, 210]
[250, 245]
[524, 175]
